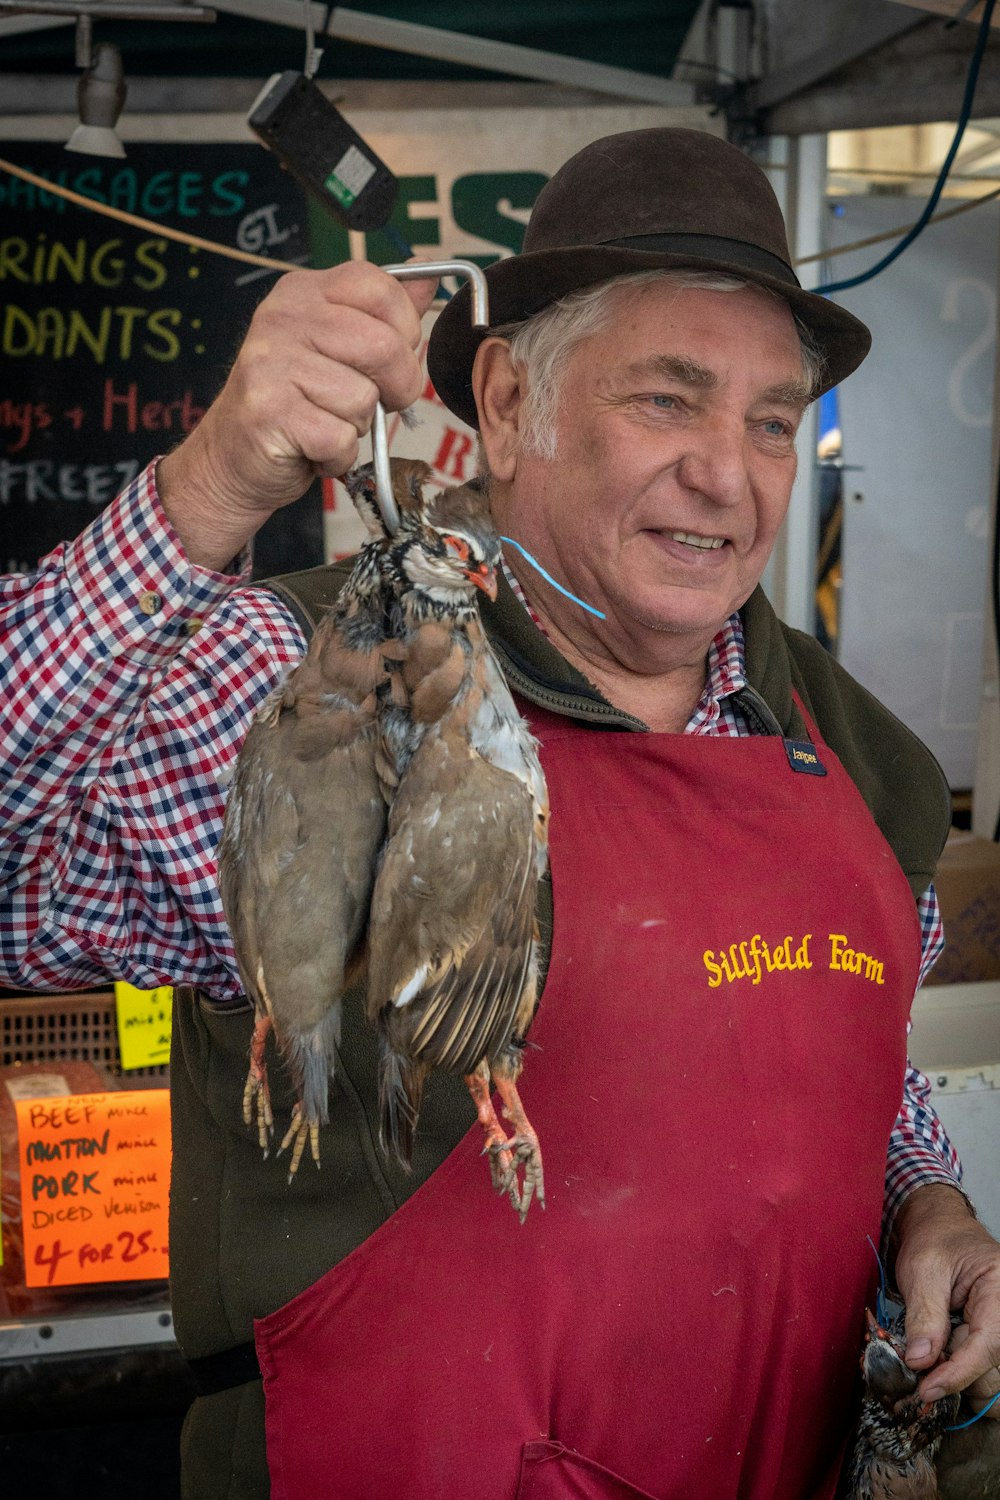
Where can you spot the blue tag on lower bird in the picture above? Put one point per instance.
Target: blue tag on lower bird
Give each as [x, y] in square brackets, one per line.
[802, 756]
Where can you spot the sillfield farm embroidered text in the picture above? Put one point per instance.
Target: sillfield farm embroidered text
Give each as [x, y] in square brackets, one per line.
[754, 959]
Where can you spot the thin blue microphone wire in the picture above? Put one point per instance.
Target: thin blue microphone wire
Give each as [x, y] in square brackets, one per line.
[549, 579]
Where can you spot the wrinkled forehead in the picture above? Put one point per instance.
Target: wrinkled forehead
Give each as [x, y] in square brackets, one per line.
[703, 336]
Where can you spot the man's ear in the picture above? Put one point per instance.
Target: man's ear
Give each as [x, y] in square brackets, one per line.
[497, 387]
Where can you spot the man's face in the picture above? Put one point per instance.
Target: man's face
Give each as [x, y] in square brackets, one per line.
[674, 463]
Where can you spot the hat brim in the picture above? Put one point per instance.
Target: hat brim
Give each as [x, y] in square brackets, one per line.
[523, 285]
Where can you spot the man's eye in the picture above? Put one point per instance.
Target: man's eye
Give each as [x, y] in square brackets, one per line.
[777, 428]
[665, 403]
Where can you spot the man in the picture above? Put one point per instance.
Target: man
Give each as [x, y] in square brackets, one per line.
[742, 844]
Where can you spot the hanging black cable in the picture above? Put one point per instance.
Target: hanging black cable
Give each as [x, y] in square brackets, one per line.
[963, 120]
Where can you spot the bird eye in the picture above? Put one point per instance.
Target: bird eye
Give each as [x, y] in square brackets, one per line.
[455, 547]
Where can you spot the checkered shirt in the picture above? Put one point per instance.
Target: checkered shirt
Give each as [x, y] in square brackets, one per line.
[130, 677]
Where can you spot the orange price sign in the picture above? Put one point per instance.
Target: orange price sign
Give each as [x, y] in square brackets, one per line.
[95, 1184]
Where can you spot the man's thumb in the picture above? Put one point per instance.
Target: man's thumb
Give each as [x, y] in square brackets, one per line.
[928, 1320]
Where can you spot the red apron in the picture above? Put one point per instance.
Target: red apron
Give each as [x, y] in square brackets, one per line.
[721, 1049]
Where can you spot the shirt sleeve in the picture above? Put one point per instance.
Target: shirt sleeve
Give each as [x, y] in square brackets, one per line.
[130, 677]
[919, 1149]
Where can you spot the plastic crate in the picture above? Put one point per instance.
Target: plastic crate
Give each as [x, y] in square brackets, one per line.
[75, 1027]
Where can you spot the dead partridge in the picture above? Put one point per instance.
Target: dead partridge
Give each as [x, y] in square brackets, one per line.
[898, 1435]
[304, 822]
[452, 975]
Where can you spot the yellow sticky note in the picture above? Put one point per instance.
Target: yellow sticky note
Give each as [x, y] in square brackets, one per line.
[143, 1025]
[95, 1187]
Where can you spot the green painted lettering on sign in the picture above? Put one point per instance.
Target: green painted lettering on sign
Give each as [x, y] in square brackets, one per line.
[478, 200]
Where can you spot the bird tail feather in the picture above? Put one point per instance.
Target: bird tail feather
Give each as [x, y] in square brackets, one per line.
[401, 1089]
[311, 1061]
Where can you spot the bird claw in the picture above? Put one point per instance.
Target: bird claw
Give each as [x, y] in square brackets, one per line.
[256, 1092]
[508, 1154]
[522, 1151]
[257, 1106]
[503, 1171]
[298, 1132]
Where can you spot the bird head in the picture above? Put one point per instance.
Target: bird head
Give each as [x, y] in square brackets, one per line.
[408, 478]
[895, 1420]
[887, 1377]
[360, 485]
[446, 548]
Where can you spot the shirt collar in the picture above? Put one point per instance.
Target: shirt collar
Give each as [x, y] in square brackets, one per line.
[726, 669]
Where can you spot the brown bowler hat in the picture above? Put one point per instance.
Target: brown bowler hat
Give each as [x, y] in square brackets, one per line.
[640, 201]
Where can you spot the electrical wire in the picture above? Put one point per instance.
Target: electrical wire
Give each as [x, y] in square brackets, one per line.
[964, 207]
[964, 115]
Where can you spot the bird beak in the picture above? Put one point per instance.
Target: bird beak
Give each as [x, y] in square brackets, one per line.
[485, 578]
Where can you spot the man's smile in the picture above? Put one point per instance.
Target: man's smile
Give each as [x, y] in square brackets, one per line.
[690, 546]
[691, 539]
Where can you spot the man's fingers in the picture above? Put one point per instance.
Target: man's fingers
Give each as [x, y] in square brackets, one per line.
[285, 334]
[371, 347]
[361, 285]
[357, 284]
[972, 1362]
[323, 347]
[971, 1367]
[420, 292]
[984, 1391]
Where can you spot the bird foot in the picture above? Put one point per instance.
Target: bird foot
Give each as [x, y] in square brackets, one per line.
[523, 1146]
[508, 1155]
[502, 1168]
[256, 1092]
[520, 1151]
[299, 1131]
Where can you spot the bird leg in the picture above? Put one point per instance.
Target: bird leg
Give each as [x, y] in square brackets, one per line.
[523, 1145]
[508, 1153]
[299, 1131]
[256, 1094]
[502, 1168]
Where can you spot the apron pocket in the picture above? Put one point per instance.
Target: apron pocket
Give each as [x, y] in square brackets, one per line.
[550, 1471]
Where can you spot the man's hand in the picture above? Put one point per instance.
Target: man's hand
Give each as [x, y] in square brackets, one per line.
[322, 348]
[946, 1260]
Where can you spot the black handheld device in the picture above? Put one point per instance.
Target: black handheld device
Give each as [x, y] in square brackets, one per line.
[295, 119]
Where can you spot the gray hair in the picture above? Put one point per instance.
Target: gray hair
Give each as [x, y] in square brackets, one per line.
[543, 344]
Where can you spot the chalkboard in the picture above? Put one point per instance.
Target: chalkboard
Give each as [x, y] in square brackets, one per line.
[113, 339]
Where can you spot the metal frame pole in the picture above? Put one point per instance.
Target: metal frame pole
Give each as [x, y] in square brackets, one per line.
[791, 576]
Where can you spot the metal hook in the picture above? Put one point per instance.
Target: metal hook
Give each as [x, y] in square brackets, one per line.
[412, 271]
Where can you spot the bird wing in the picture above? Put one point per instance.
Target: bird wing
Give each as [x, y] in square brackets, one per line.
[296, 866]
[452, 915]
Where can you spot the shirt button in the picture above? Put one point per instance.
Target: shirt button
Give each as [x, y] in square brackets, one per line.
[150, 602]
[192, 626]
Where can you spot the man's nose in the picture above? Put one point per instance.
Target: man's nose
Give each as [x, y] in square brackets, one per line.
[714, 462]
